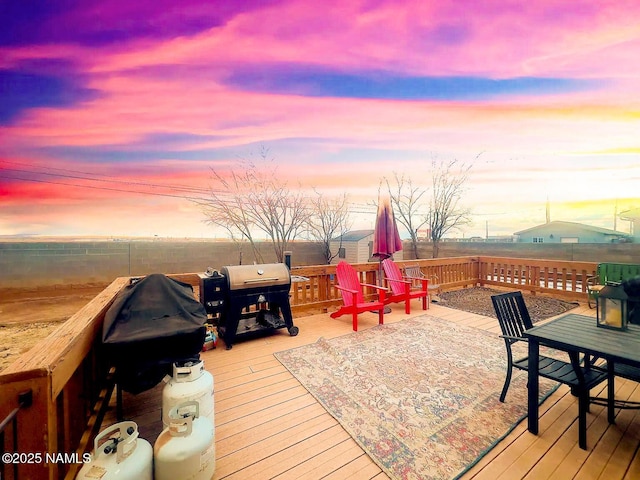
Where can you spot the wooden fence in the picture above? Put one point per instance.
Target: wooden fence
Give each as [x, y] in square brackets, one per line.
[68, 373]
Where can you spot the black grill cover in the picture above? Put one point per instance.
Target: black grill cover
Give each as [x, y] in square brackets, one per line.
[150, 325]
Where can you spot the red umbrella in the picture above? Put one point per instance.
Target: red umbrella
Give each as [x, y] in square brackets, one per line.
[386, 239]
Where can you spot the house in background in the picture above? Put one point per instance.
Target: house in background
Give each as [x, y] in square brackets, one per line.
[633, 216]
[356, 247]
[570, 232]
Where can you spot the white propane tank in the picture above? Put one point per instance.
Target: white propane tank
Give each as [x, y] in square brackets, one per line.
[190, 381]
[185, 450]
[119, 454]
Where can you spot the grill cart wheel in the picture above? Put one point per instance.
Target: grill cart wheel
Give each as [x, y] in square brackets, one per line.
[293, 331]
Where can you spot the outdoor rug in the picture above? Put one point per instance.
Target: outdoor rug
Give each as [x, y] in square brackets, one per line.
[420, 396]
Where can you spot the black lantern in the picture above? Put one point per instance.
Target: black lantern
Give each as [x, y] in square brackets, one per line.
[612, 310]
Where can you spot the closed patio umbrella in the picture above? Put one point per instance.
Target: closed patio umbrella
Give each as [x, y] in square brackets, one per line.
[386, 239]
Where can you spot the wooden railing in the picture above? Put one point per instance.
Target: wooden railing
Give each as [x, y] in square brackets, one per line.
[559, 278]
[67, 371]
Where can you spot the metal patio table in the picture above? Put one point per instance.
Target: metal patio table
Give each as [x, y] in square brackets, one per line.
[579, 333]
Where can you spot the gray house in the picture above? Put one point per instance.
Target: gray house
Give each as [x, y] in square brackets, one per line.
[356, 247]
[570, 232]
[633, 216]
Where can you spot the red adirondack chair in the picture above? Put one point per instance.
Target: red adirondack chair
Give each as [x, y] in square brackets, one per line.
[352, 297]
[401, 286]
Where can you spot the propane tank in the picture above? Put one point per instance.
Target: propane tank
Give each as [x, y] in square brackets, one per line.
[190, 381]
[186, 449]
[119, 454]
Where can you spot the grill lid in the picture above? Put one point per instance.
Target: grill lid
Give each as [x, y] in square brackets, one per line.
[241, 277]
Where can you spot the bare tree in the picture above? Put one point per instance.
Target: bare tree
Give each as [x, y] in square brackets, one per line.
[226, 207]
[329, 219]
[445, 211]
[407, 201]
[251, 199]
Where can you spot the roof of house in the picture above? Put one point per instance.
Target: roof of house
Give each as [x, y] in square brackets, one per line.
[354, 235]
[559, 225]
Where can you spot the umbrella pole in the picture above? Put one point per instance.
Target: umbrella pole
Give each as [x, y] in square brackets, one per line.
[387, 309]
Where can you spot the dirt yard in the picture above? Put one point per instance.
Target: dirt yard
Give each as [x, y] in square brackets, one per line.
[26, 317]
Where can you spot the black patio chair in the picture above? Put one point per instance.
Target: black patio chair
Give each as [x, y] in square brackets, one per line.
[514, 320]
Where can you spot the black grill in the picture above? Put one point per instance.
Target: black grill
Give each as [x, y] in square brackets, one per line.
[248, 300]
[151, 324]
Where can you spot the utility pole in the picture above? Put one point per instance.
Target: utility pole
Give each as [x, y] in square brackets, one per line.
[548, 211]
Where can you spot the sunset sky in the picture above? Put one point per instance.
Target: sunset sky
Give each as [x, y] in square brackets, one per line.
[114, 112]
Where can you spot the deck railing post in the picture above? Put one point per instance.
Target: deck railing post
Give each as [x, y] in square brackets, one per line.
[25, 399]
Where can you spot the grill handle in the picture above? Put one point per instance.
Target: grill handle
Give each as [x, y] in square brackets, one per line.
[261, 280]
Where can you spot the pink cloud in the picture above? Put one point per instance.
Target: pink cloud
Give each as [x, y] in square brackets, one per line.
[496, 39]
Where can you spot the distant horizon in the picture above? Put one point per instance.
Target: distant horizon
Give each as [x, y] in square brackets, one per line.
[111, 126]
[69, 237]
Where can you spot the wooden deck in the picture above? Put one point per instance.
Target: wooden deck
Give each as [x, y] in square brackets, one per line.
[269, 426]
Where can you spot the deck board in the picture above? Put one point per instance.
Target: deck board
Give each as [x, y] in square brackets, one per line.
[269, 426]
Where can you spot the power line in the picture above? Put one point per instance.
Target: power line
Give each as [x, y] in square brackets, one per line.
[94, 177]
[122, 190]
[93, 187]
[108, 179]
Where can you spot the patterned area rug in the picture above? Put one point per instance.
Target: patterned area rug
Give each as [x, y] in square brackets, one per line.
[420, 396]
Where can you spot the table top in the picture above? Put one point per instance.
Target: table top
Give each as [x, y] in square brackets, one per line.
[580, 332]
